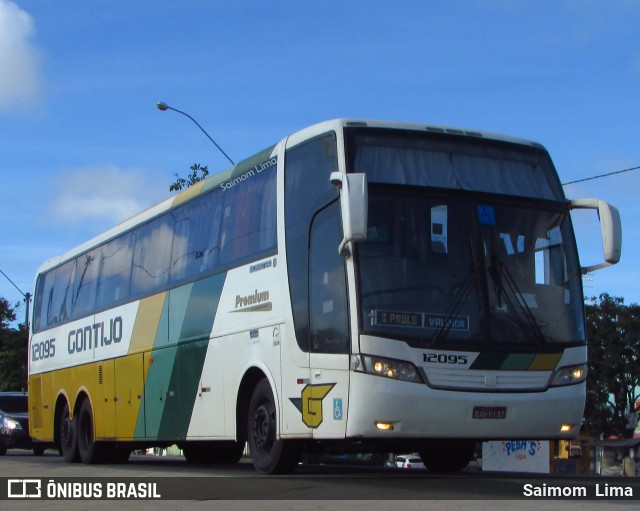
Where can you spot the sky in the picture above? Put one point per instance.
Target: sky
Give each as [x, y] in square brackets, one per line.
[83, 147]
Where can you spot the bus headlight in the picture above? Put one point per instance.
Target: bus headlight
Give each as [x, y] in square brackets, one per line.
[389, 368]
[569, 375]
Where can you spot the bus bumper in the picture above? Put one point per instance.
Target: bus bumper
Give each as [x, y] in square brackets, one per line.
[417, 411]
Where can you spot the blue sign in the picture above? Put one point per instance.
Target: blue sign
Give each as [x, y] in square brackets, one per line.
[487, 215]
[337, 409]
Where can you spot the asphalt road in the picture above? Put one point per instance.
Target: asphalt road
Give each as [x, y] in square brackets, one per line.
[184, 487]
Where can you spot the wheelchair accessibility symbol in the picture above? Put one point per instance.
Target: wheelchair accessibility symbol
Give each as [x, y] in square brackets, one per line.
[337, 409]
[487, 215]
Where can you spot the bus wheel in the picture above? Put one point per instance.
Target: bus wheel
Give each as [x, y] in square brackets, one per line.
[213, 452]
[269, 455]
[68, 436]
[87, 448]
[447, 455]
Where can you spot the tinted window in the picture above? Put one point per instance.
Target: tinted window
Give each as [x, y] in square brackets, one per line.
[86, 283]
[454, 162]
[60, 305]
[230, 225]
[115, 271]
[196, 243]
[329, 323]
[152, 256]
[248, 217]
[308, 189]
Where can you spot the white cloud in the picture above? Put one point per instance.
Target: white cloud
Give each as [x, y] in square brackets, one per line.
[20, 79]
[106, 194]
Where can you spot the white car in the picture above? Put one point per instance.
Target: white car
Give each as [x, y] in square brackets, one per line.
[409, 461]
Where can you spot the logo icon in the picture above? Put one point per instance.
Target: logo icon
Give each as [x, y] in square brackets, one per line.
[24, 488]
[310, 404]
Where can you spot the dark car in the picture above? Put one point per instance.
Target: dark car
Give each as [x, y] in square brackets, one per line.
[14, 423]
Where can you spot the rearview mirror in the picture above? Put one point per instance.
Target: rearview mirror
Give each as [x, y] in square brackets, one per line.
[611, 230]
[354, 205]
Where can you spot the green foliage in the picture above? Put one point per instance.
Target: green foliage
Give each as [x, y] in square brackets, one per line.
[198, 173]
[613, 382]
[13, 350]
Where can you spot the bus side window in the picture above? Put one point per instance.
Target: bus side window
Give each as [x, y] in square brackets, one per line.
[329, 322]
[115, 271]
[61, 300]
[85, 283]
[196, 241]
[152, 255]
[307, 190]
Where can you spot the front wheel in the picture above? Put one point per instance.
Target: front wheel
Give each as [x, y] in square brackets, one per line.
[269, 455]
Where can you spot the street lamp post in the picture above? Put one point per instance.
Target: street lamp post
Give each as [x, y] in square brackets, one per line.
[163, 106]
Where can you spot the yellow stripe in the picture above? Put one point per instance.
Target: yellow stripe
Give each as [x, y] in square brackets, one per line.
[188, 194]
[545, 362]
[147, 320]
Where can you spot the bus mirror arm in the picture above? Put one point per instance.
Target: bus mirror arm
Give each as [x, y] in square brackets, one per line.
[354, 208]
[611, 230]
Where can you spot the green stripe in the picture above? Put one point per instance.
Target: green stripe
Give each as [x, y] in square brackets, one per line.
[185, 379]
[201, 308]
[158, 384]
[518, 362]
[489, 361]
[178, 357]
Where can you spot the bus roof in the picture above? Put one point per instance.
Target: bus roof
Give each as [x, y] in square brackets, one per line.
[240, 168]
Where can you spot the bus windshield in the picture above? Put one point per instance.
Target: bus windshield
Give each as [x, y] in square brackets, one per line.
[466, 246]
[444, 271]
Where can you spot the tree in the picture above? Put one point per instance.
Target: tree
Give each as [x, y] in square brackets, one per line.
[198, 173]
[613, 383]
[13, 350]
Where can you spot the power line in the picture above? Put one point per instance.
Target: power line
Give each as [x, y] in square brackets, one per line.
[601, 175]
[13, 283]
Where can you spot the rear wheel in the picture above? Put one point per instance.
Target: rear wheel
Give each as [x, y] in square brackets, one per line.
[447, 455]
[68, 436]
[269, 455]
[88, 450]
[213, 452]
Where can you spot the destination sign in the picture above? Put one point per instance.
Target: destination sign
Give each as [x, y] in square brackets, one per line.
[420, 320]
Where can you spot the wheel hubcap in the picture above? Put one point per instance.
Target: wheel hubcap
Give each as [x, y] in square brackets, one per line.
[264, 428]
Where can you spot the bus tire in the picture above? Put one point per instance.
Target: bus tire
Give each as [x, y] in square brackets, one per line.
[269, 455]
[88, 450]
[222, 453]
[68, 436]
[447, 456]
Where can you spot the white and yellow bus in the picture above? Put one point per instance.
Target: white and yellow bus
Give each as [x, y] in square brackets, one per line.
[359, 286]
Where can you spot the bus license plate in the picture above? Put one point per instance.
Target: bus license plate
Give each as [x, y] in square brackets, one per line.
[489, 412]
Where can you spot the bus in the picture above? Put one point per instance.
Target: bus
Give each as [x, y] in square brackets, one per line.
[360, 286]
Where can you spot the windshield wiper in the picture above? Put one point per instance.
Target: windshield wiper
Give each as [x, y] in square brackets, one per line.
[498, 270]
[459, 299]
